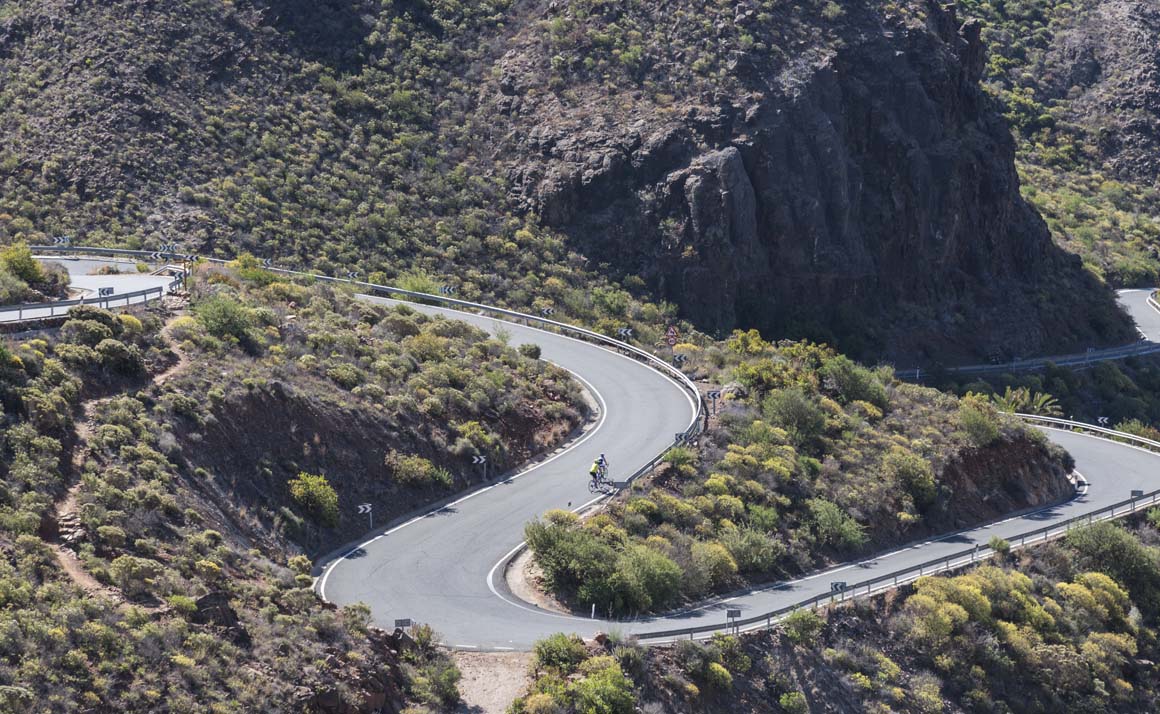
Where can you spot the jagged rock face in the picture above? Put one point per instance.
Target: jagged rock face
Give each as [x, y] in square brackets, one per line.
[866, 193]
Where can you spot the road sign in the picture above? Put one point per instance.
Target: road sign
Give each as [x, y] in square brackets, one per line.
[672, 331]
[732, 614]
[104, 292]
[62, 240]
[1103, 421]
[479, 459]
[1136, 493]
[267, 263]
[625, 332]
[680, 359]
[681, 437]
[548, 311]
[403, 624]
[352, 275]
[367, 509]
[714, 394]
[837, 586]
[447, 289]
[156, 256]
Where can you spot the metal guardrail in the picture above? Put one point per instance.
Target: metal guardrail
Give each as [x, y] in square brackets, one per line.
[577, 332]
[892, 580]
[61, 308]
[1078, 359]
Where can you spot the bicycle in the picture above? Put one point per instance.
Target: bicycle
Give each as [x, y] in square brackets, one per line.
[600, 482]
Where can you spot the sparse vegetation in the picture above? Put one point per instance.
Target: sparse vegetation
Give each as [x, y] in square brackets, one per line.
[206, 547]
[814, 458]
[1068, 626]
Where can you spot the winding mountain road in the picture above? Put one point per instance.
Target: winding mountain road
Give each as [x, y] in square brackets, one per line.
[1139, 304]
[445, 567]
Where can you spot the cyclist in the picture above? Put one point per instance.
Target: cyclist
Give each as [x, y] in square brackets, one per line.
[599, 470]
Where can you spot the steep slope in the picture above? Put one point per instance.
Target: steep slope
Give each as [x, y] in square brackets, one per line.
[1080, 82]
[819, 169]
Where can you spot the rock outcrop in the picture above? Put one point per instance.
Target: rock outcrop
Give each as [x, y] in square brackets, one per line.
[863, 191]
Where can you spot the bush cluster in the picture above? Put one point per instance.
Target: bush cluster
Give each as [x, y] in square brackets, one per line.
[811, 456]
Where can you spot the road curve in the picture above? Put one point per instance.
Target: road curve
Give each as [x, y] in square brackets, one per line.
[1137, 303]
[442, 568]
[84, 280]
[1144, 310]
[438, 568]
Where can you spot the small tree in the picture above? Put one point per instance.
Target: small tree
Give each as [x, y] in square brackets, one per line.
[224, 317]
[17, 259]
[314, 494]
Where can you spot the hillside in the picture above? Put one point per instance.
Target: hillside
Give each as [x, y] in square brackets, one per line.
[812, 460]
[1080, 82]
[1070, 627]
[821, 170]
[165, 477]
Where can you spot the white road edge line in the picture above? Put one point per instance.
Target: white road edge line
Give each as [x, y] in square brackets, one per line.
[600, 423]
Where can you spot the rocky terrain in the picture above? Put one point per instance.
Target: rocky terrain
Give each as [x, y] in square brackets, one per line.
[860, 178]
[1104, 64]
[817, 169]
[1079, 85]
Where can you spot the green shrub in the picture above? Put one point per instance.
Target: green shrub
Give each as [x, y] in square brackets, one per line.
[793, 703]
[120, 357]
[802, 626]
[833, 526]
[851, 382]
[644, 580]
[796, 412]
[999, 545]
[17, 259]
[345, 375]
[314, 494]
[979, 420]
[603, 689]
[85, 332]
[417, 472]
[753, 550]
[713, 562]
[717, 677]
[914, 473]
[559, 652]
[224, 317]
[531, 351]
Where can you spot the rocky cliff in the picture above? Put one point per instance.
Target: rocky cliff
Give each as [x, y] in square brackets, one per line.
[855, 183]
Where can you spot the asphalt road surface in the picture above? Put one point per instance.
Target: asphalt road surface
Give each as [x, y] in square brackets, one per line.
[1146, 316]
[84, 280]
